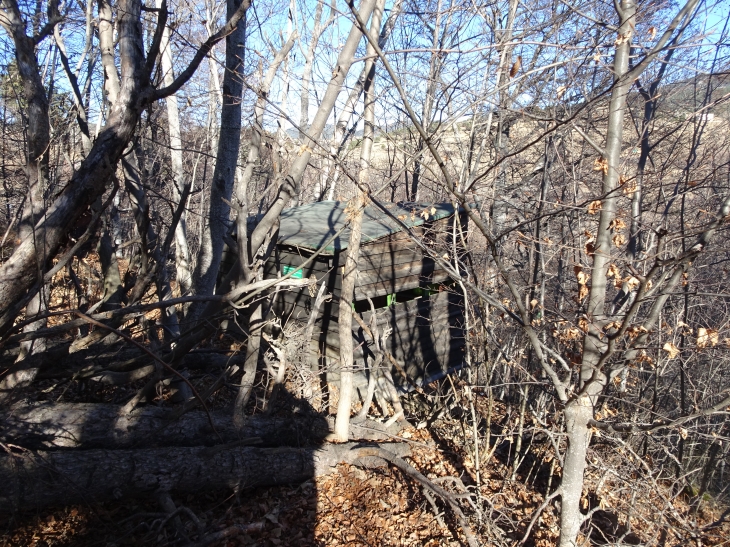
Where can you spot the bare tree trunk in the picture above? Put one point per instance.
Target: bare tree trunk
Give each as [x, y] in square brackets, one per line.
[211, 246]
[357, 207]
[516, 460]
[577, 415]
[245, 274]
[279, 149]
[19, 273]
[93, 425]
[592, 379]
[434, 72]
[650, 97]
[182, 253]
[106, 44]
[339, 138]
[344, 321]
[36, 161]
[317, 32]
[154, 263]
[250, 365]
[73, 80]
[112, 280]
[151, 253]
[215, 101]
[113, 286]
[499, 205]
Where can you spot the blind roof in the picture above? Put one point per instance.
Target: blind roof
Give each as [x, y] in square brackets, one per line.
[311, 226]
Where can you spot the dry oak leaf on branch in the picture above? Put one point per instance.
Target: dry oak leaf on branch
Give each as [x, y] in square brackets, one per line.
[686, 329]
[671, 349]
[628, 187]
[619, 240]
[590, 244]
[616, 225]
[594, 207]
[583, 324]
[631, 282]
[707, 337]
[582, 278]
[516, 67]
[601, 164]
[581, 275]
[635, 331]
[614, 272]
[583, 292]
[425, 213]
[625, 37]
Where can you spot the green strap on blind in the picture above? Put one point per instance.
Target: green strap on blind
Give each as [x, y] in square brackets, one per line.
[286, 270]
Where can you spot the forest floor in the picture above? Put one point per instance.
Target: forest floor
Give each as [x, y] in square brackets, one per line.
[364, 507]
[384, 506]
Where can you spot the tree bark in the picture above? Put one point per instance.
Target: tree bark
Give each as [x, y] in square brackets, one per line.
[317, 32]
[113, 286]
[339, 138]
[250, 365]
[211, 247]
[94, 425]
[153, 258]
[344, 321]
[357, 206]
[592, 378]
[182, 252]
[245, 275]
[86, 426]
[577, 414]
[106, 45]
[36, 164]
[19, 272]
[36, 480]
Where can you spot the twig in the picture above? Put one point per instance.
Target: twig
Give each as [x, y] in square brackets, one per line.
[173, 513]
[436, 513]
[189, 405]
[231, 531]
[378, 345]
[415, 474]
[155, 357]
[398, 366]
[12, 223]
[536, 515]
[397, 416]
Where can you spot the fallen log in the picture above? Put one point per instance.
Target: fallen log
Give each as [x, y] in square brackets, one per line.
[34, 480]
[58, 363]
[93, 368]
[91, 425]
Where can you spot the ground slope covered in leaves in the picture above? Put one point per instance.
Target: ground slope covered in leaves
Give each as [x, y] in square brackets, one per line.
[361, 507]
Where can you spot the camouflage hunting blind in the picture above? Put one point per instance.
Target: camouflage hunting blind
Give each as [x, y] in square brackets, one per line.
[412, 296]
